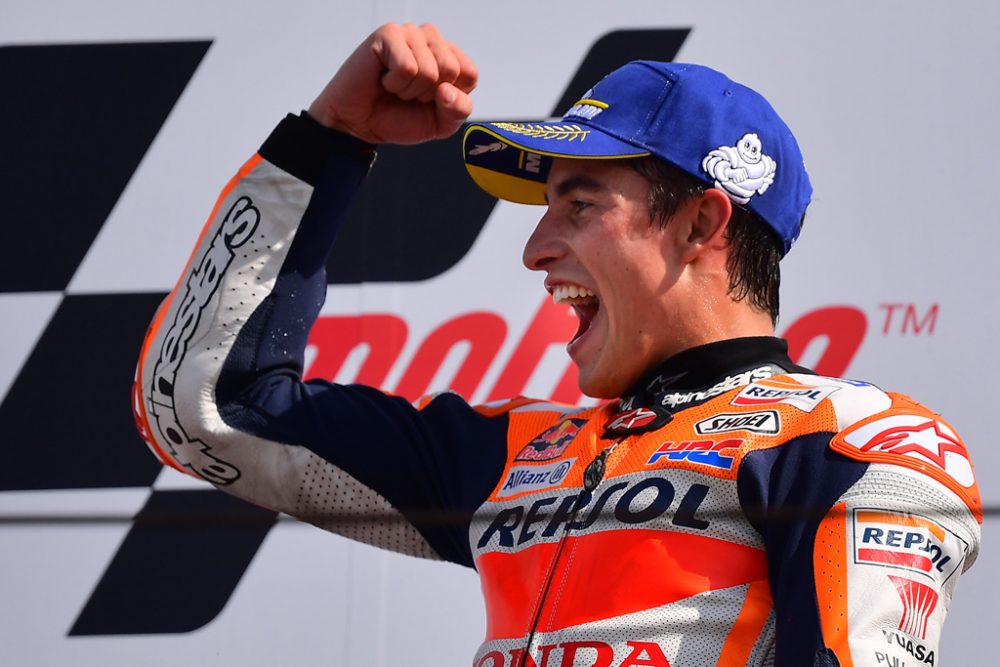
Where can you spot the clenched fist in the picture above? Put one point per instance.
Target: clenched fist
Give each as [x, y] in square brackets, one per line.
[403, 85]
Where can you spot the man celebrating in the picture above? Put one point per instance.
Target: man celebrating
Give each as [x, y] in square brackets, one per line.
[727, 507]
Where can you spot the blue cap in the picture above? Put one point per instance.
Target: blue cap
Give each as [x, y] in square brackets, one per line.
[695, 118]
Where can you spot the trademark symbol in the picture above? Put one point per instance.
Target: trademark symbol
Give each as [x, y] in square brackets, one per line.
[909, 319]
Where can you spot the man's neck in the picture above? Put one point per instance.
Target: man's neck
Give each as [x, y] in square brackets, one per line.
[702, 372]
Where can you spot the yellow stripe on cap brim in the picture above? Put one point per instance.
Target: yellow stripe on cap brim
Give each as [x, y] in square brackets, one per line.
[509, 187]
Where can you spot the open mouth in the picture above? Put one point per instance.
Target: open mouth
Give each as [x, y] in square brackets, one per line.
[584, 302]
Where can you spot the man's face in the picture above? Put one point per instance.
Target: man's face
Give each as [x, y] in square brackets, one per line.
[605, 257]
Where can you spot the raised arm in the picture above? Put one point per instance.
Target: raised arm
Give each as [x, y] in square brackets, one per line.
[218, 391]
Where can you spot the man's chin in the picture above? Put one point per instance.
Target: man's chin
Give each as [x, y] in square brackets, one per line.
[597, 384]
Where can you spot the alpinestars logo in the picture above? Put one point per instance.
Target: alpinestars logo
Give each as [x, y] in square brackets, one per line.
[93, 445]
[731, 382]
[236, 229]
[919, 438]
[637, 420]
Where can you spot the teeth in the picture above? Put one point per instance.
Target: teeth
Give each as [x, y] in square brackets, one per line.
[565, 293]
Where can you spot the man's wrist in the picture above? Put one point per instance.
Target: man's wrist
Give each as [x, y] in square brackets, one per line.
[302, 146]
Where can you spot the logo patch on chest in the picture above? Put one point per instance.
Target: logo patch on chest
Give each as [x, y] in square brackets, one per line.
[715, 454]
[552, 442]
[637, 420]
[531, 478]
[765, 421]
[773, 392]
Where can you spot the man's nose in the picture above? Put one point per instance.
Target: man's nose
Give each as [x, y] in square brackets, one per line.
[542, 246]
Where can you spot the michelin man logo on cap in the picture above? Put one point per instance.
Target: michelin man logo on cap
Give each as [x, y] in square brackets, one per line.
[741, 171]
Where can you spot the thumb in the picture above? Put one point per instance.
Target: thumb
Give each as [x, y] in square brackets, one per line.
[452, 107]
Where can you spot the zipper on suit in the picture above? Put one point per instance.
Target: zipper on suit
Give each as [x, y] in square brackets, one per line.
[593, 475]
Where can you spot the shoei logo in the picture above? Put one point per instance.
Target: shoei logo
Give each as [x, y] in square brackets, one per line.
[766, 421]
[741, 171]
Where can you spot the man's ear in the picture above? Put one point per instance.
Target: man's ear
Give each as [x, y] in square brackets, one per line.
[708, 217]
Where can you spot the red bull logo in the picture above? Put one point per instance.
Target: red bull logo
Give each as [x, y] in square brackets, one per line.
[552, 443]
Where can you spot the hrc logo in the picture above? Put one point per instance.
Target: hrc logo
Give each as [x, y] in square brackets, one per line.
[703, 452]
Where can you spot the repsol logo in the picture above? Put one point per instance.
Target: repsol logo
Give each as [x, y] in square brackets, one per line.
[924, 552]
[907, 541]
[629, 503]
[770, 392]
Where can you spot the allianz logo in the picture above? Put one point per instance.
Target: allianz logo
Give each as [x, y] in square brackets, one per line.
[533, 477]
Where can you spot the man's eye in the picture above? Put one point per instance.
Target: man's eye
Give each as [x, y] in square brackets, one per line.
[579, 205]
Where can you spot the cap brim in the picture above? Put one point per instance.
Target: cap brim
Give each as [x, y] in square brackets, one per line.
[511, 160]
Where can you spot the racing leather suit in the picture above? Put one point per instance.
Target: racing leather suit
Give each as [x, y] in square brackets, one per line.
[732, 509]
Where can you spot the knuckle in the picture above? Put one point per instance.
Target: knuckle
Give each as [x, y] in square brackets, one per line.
[449, 69]
[388, 29]
[427, 75]
[471, 72]
[409, 68]
[430, 29]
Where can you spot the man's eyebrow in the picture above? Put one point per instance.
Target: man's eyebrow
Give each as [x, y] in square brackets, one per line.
[580, 182]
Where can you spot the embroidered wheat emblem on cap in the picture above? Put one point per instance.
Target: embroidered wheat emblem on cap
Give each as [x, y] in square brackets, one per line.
[538, 131]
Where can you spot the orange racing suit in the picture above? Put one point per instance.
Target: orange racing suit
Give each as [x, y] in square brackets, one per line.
[732, 509]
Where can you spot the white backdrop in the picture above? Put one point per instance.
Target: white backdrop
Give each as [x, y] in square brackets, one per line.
[894, 104]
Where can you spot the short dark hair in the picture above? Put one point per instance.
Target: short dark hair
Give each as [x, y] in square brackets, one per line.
[753, 269]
